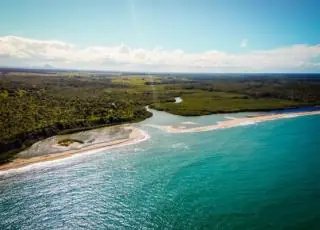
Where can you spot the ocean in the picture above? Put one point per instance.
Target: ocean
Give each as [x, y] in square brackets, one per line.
[258, 176]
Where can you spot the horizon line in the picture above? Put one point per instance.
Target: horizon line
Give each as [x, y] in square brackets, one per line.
[54, 69]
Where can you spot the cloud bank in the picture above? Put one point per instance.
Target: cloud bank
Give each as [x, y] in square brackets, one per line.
[19, 51]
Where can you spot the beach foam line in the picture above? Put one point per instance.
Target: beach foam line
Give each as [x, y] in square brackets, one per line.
[234, 122]
[245, 123]
[189, 123]
[22, 165]
[290, 116]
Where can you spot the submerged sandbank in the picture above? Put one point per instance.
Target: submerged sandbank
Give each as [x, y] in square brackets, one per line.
[136, 135]
[234, 122]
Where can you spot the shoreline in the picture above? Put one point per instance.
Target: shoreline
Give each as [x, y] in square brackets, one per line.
[230, 123]
[137, 135]
[39, 135]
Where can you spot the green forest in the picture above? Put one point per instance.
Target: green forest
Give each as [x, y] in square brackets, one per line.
[35, 106]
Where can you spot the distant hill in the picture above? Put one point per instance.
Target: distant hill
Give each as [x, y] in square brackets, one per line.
[48, 66]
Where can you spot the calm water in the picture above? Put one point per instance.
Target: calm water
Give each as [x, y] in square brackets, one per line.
[264, 176]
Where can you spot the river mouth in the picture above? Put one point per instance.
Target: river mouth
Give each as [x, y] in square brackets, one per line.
[67, 145]
[233, 178]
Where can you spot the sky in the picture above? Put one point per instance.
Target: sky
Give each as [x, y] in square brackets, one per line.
[162, 35]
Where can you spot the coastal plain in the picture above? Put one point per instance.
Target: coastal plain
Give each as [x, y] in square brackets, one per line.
[36, 104]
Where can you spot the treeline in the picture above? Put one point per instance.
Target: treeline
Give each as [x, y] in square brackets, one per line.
[282, 88]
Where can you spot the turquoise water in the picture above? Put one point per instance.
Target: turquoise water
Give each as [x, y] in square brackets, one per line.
[264, 176]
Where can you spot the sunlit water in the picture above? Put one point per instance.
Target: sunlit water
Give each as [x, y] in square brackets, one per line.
[178, 100]
[261, 176]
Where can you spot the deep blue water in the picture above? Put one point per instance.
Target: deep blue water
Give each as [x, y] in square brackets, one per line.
[263, 176]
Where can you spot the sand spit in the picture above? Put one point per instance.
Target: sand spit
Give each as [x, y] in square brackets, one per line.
[235, 122]
[136, 136]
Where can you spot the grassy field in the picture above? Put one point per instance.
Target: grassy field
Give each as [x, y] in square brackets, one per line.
[135, 80]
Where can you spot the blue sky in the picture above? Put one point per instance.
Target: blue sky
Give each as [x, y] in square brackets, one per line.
[229, 27]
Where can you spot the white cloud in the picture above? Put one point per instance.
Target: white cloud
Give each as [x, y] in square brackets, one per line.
[18, 51]
[244, 43]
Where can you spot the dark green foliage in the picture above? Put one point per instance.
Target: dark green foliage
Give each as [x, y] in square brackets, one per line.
[68, 141]
[236, 94]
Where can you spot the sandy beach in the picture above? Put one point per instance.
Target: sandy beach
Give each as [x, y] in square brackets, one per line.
[136, 135]
[234, 122]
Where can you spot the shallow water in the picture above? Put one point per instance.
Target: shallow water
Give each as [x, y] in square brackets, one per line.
[261, 176]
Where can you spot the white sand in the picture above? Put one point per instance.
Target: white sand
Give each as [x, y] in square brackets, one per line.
[136, 135]
[234, 122]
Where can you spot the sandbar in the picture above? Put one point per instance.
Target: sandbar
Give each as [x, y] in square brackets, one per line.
[136, 135]
[235, 122]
